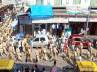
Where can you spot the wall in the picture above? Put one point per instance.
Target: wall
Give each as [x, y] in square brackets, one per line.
[7, 2]
[84, 3]
[94, 3]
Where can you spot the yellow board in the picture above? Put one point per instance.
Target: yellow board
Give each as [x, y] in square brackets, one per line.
[6, 64]
[87, 66]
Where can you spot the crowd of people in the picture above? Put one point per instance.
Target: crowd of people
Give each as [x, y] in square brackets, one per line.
[36, 68]
[17, 49]
[21, 49]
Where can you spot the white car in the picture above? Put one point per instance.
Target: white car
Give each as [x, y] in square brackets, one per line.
[39, 41]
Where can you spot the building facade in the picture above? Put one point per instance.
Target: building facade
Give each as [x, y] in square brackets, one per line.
[76, 13]
[59, 2]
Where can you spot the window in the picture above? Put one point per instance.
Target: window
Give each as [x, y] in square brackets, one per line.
[42, 39]
[76, 1]
[37, 39]
[67, 1]
[58, 2]
[39, 2]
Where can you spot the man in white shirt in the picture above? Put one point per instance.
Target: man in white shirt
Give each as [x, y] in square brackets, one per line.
[20, 45]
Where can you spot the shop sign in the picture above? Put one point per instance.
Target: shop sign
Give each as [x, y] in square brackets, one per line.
[73, 8]
[77, 19]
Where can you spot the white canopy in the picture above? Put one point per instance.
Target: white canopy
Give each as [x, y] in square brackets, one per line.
[52, 20]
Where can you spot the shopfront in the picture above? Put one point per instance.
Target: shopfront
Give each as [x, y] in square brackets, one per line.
[56, 24]
[80, 24]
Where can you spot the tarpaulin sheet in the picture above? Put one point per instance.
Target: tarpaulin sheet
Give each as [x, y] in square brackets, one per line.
[41, 11]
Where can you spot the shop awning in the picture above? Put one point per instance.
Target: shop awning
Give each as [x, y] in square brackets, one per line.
[51, 20]
[14, 23]
[41, 11]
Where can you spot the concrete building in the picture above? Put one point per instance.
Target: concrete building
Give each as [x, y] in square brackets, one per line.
[76, 13]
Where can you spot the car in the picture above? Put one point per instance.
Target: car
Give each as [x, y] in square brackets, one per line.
[77, 39]
[39, 41]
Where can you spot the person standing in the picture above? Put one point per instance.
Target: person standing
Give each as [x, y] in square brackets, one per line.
[20, 45]
[36, 69]
[81, 47]
[18, 55]
[11, 52]
[54, 67]
[28, 52]
[43, 70]
[53, 29]
[1, 50]
[55, 52]
[4, 48]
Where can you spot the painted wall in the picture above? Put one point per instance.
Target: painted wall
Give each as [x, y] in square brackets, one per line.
[84, 3]
[6, 2]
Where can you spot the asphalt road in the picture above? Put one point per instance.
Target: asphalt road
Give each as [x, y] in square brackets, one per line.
[47, 64]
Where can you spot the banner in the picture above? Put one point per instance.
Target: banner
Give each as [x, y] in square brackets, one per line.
[40, 11]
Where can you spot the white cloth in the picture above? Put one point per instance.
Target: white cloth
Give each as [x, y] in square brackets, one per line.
[39, 32]
[57, 26]
[44, 31]
[20, 43]
[53, 26]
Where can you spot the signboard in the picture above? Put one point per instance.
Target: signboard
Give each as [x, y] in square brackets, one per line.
[73, 8]
[41, 11]
[78, 19]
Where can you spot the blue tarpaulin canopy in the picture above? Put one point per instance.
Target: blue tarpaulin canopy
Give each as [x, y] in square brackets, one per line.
[40, 11]
[20, 35]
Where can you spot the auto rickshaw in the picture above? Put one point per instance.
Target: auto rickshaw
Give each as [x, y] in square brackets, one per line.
[86, 66]
[6, 65]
